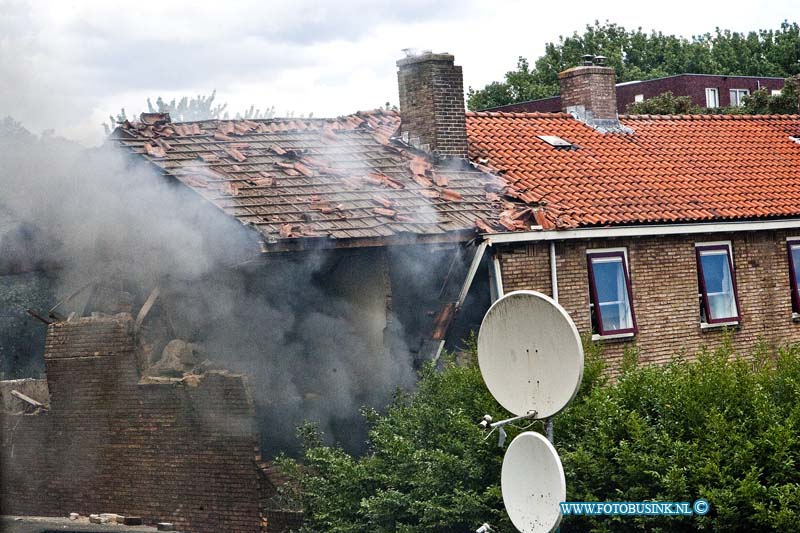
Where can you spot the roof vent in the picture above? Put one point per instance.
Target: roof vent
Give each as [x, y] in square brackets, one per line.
[600, 61]
[588, 60]
[557, 142]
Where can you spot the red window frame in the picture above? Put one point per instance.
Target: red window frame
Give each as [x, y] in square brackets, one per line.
[793, 243]
[704, 293]
[595, 299]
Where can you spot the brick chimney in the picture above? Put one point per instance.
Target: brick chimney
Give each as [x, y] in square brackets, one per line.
[432, 104]
[589, 93]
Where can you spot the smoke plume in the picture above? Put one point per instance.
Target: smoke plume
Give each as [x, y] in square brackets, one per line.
[298, 326]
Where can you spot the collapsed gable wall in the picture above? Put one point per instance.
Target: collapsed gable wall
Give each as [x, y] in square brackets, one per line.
[182, 451]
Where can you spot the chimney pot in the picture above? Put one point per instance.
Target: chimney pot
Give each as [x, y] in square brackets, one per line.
[600, 60]
[588, 59]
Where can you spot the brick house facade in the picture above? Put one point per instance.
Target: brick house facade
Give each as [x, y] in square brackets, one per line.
[664, 283]
[657, 231]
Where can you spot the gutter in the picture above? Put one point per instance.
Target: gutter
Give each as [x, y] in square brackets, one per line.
[639, 231]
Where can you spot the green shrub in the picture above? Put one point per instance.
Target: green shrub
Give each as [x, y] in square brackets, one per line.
[720, 428]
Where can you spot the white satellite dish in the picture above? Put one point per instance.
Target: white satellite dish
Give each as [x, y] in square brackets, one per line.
[533, 484]
[530, 354]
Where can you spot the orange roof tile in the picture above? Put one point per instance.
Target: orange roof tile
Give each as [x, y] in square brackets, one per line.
[688, 168]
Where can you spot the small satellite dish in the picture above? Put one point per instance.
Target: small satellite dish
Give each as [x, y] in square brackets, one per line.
[530, 354]
[533, 484]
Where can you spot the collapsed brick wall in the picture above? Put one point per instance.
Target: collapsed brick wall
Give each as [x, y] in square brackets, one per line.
[182, 452]
[36, 389]
[663, 273]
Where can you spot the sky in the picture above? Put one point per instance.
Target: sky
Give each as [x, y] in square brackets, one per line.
[66, 65]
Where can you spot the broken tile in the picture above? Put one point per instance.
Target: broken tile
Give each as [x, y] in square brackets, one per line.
[450, 194]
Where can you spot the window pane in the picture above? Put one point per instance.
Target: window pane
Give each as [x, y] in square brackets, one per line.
[612, 294]
[737, 96]
[718, 284]
[712, 97]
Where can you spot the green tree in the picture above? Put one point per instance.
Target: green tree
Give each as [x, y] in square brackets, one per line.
[428, 467]
[723, 428]
[636, 55]
[12, 130]
[664, 104]
[761, 102]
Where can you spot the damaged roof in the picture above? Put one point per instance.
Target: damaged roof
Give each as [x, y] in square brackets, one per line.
[687, 168]
[336, 182]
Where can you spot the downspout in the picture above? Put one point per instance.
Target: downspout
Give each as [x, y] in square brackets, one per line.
[548, 425]
[496, 276]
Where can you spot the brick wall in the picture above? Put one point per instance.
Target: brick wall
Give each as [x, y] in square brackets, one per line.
[664, 284]
[432, 103]
[592, 87]
[695, 86]
[35, 389]
[180, 451]
[283, 521]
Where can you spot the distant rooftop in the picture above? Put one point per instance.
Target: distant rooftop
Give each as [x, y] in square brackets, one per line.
[550, 102]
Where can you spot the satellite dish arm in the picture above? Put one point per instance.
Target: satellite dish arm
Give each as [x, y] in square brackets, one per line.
[495, 425]
[486, 423]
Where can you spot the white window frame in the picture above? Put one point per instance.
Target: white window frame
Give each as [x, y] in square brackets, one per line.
[732, 266]
[638, 98]
[709, 92]
[791, 242]
[776, 92]
[737, 96]
[629, 281]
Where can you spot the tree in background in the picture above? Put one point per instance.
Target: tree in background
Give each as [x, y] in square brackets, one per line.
[636, 55]
[665, 104]
[761, 102]
[722, 428]
[188, 109]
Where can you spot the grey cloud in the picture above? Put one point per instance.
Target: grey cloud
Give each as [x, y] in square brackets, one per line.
[165, 66]
[54, 76]
[315, 22]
